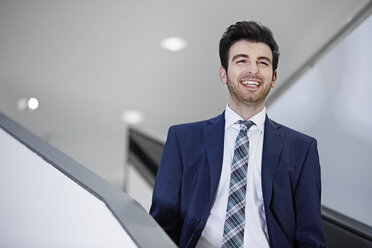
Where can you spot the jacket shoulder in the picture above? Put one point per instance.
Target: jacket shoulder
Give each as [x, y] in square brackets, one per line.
[193, 127]
[291, 133]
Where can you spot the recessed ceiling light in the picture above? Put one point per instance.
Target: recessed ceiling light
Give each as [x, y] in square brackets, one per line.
[132, 117]
[30, 104]
[173, 44]
[33, 103]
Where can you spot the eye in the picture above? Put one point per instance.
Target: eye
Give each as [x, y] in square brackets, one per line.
[263, 63]
[241, 61]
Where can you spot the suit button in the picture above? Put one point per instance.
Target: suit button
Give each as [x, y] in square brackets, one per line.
[199, 221]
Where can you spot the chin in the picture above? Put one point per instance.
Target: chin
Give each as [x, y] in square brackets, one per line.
[253, 102]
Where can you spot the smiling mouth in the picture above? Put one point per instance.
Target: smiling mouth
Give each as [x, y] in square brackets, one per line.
[250, 83]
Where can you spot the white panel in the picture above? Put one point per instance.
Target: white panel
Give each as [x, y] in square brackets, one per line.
[41, 207]
[139, 189]
[332, 102]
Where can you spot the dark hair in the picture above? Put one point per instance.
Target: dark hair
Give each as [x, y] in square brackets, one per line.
[250, 31]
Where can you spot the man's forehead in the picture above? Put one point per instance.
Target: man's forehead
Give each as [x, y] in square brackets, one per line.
[249, 48]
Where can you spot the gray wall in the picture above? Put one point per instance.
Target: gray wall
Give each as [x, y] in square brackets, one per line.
[333, 103]
[41, 207]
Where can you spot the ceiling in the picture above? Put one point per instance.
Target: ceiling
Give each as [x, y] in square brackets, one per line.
[88, 61]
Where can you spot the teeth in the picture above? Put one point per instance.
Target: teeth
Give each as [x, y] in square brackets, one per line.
[250, 83]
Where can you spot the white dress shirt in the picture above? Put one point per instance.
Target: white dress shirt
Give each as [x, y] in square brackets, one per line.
[255, 232]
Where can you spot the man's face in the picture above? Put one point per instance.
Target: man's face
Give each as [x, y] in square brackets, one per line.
[250, 75]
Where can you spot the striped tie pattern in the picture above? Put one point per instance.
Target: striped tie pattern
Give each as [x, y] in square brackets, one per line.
[233, 233]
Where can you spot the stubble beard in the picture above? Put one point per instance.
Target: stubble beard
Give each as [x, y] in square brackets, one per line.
[248, 101]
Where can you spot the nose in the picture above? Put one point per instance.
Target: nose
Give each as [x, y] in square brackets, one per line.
[252, 68]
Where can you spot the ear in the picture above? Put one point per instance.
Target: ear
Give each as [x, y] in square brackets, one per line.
[223, 75]
[275, 76]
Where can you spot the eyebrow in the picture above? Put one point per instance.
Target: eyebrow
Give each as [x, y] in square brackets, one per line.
[246, 56]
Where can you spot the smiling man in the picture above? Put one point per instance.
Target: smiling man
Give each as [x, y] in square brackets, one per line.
[240, 179]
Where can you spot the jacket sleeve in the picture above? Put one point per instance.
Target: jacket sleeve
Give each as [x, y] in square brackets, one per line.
[165, 208]
[307, 202]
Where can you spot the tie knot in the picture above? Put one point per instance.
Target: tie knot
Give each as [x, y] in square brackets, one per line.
[245, 125]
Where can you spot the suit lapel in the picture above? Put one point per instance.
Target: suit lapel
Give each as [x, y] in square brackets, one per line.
[272, 147]
[214, 132]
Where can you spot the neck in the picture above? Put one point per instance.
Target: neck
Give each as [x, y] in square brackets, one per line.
[246, 111]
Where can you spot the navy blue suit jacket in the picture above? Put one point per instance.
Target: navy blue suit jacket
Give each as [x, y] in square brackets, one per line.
[189, 174]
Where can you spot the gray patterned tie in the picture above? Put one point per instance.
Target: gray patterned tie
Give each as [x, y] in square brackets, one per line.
[233, 233]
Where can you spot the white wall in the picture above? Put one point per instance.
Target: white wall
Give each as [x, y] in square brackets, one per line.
[333, 103]
[41, 207]
[139, 189]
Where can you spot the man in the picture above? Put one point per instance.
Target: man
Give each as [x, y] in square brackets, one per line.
[240, 179]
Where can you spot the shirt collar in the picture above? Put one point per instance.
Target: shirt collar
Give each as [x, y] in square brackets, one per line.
[232, 117]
